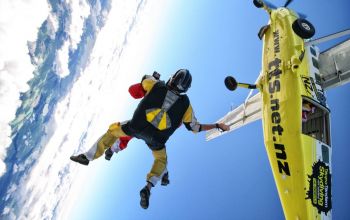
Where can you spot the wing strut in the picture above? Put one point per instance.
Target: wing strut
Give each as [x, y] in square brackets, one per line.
[328, 37]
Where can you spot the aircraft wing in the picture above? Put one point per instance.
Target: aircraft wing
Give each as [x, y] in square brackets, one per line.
[244, 114]
[334, 65]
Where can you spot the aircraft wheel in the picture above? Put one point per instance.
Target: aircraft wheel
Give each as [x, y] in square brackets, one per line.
[231, 83]
[303, 28]
[258, 3]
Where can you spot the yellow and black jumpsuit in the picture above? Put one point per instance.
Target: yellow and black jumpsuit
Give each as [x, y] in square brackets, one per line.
[155, 119]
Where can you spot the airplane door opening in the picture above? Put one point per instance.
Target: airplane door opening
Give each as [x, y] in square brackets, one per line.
[315, 121]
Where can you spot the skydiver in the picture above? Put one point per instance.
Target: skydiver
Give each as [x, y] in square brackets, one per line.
[307, 109]
[163, 109]
[137, 92]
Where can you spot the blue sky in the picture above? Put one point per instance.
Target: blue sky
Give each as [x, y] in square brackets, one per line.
[229, 177]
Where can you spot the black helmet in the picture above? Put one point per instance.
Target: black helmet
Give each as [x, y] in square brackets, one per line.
[181, 80]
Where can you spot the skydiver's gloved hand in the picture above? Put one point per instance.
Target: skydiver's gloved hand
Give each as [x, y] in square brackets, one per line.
[123, 143]
[108, 154]
[165, 179]
[222, 127]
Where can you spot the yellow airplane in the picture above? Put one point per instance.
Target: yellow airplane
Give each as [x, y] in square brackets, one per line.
[292, 104]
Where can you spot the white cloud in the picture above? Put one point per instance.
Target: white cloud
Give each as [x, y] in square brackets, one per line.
[10, 191]
[9, 212]
[15, 168]
[80, 10]
[52, 24]
[62, 59]
[19, 23]
[6, 210]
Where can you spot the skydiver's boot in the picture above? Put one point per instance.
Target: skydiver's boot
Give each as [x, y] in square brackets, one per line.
[165, 179]
[145, 193]
[81, 158]
[108, 154]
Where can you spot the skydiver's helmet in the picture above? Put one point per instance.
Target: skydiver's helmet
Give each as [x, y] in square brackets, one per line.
[180, 81]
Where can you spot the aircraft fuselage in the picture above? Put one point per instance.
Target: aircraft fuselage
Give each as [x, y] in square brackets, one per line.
[295, 120]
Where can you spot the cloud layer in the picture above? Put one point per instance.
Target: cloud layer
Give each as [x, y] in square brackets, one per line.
[49, 182]
[19, 23]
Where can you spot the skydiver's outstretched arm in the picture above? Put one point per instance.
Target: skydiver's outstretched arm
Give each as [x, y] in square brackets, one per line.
[193, 125]
[221, 126]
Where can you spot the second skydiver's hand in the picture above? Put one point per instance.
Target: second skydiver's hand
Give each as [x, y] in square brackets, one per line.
[222, 127]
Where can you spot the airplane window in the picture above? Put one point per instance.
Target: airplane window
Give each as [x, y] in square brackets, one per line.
[325, 153]
[315, 121]
[318, 78]
[315, 63]
[313, 51]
